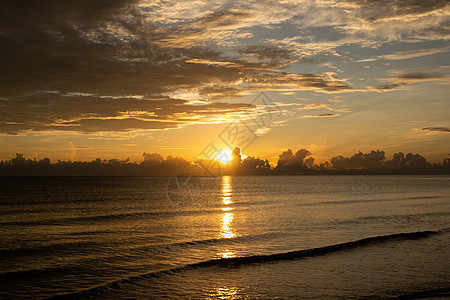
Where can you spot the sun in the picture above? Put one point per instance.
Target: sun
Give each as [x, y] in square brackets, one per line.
[224, 156]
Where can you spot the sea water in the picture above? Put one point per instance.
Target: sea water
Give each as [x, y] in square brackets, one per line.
[227, 237]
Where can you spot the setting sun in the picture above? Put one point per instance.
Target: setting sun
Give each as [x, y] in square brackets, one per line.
[224, 156]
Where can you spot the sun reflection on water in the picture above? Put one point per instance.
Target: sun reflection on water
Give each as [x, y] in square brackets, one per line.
[226, 230]
[226, 221]
[226, 190]
[225, 293]
[226, 254]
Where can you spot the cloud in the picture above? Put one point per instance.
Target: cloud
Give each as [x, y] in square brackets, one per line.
[327, 83]
[84, 66]
[386, 87]
[388, 9]
[268, 52]
[89, 66]
[438, 129]
[407, 54]
[372, 23]
[334, 112]
[324, 116]
[400, 79]
[45, 111]
[221, 27]
[419, 76]
[413, 53]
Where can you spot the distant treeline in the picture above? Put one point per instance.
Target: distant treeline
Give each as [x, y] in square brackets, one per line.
[300, 162]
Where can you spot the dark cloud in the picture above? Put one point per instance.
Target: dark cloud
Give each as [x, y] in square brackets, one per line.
[404, 78]
[417, 76]
[387, 87]
[47, 44]
[439, 129]
[48, 14]
[412, 53]
[216, 26]
[89, 113]
[111, 51]
[220, 19]
[372, 23]
[104, 47]
[282, 80]
[220, 92]
[270, 53]
[373, 10]
[324, 115]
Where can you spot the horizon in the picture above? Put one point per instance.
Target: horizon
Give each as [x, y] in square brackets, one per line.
[36, 157]
[299, 162]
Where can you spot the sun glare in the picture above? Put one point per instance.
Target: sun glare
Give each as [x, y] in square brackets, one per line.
[225, 156]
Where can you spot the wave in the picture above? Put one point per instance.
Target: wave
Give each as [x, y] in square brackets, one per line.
[84, 247]
[387, 218]
[213, 241]
[63, 221]
[51, 249]
[369, 200]
[423, 197]
[99, 290]
[95, 218]
[53, 272]
[432, 293]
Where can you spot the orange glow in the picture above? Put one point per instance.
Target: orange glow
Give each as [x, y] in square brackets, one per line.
[226, 229]
[224, 157]
[226, 254]
[225, 293]
[226, 190]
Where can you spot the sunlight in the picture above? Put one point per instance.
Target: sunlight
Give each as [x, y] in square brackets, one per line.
[224, 156]
[226, 229]
[226, 254]
[224, 293]
[226, 190]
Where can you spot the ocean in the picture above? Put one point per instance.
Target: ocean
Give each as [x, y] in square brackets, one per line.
[230, 237]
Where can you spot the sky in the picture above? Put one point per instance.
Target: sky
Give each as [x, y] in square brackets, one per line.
[85, 79]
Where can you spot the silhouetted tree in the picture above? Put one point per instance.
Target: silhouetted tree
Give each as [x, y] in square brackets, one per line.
[301, 162]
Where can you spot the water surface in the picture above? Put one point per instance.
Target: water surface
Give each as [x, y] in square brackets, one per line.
[224, 237]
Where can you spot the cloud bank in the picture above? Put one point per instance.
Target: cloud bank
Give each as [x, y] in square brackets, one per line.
[90, 66]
